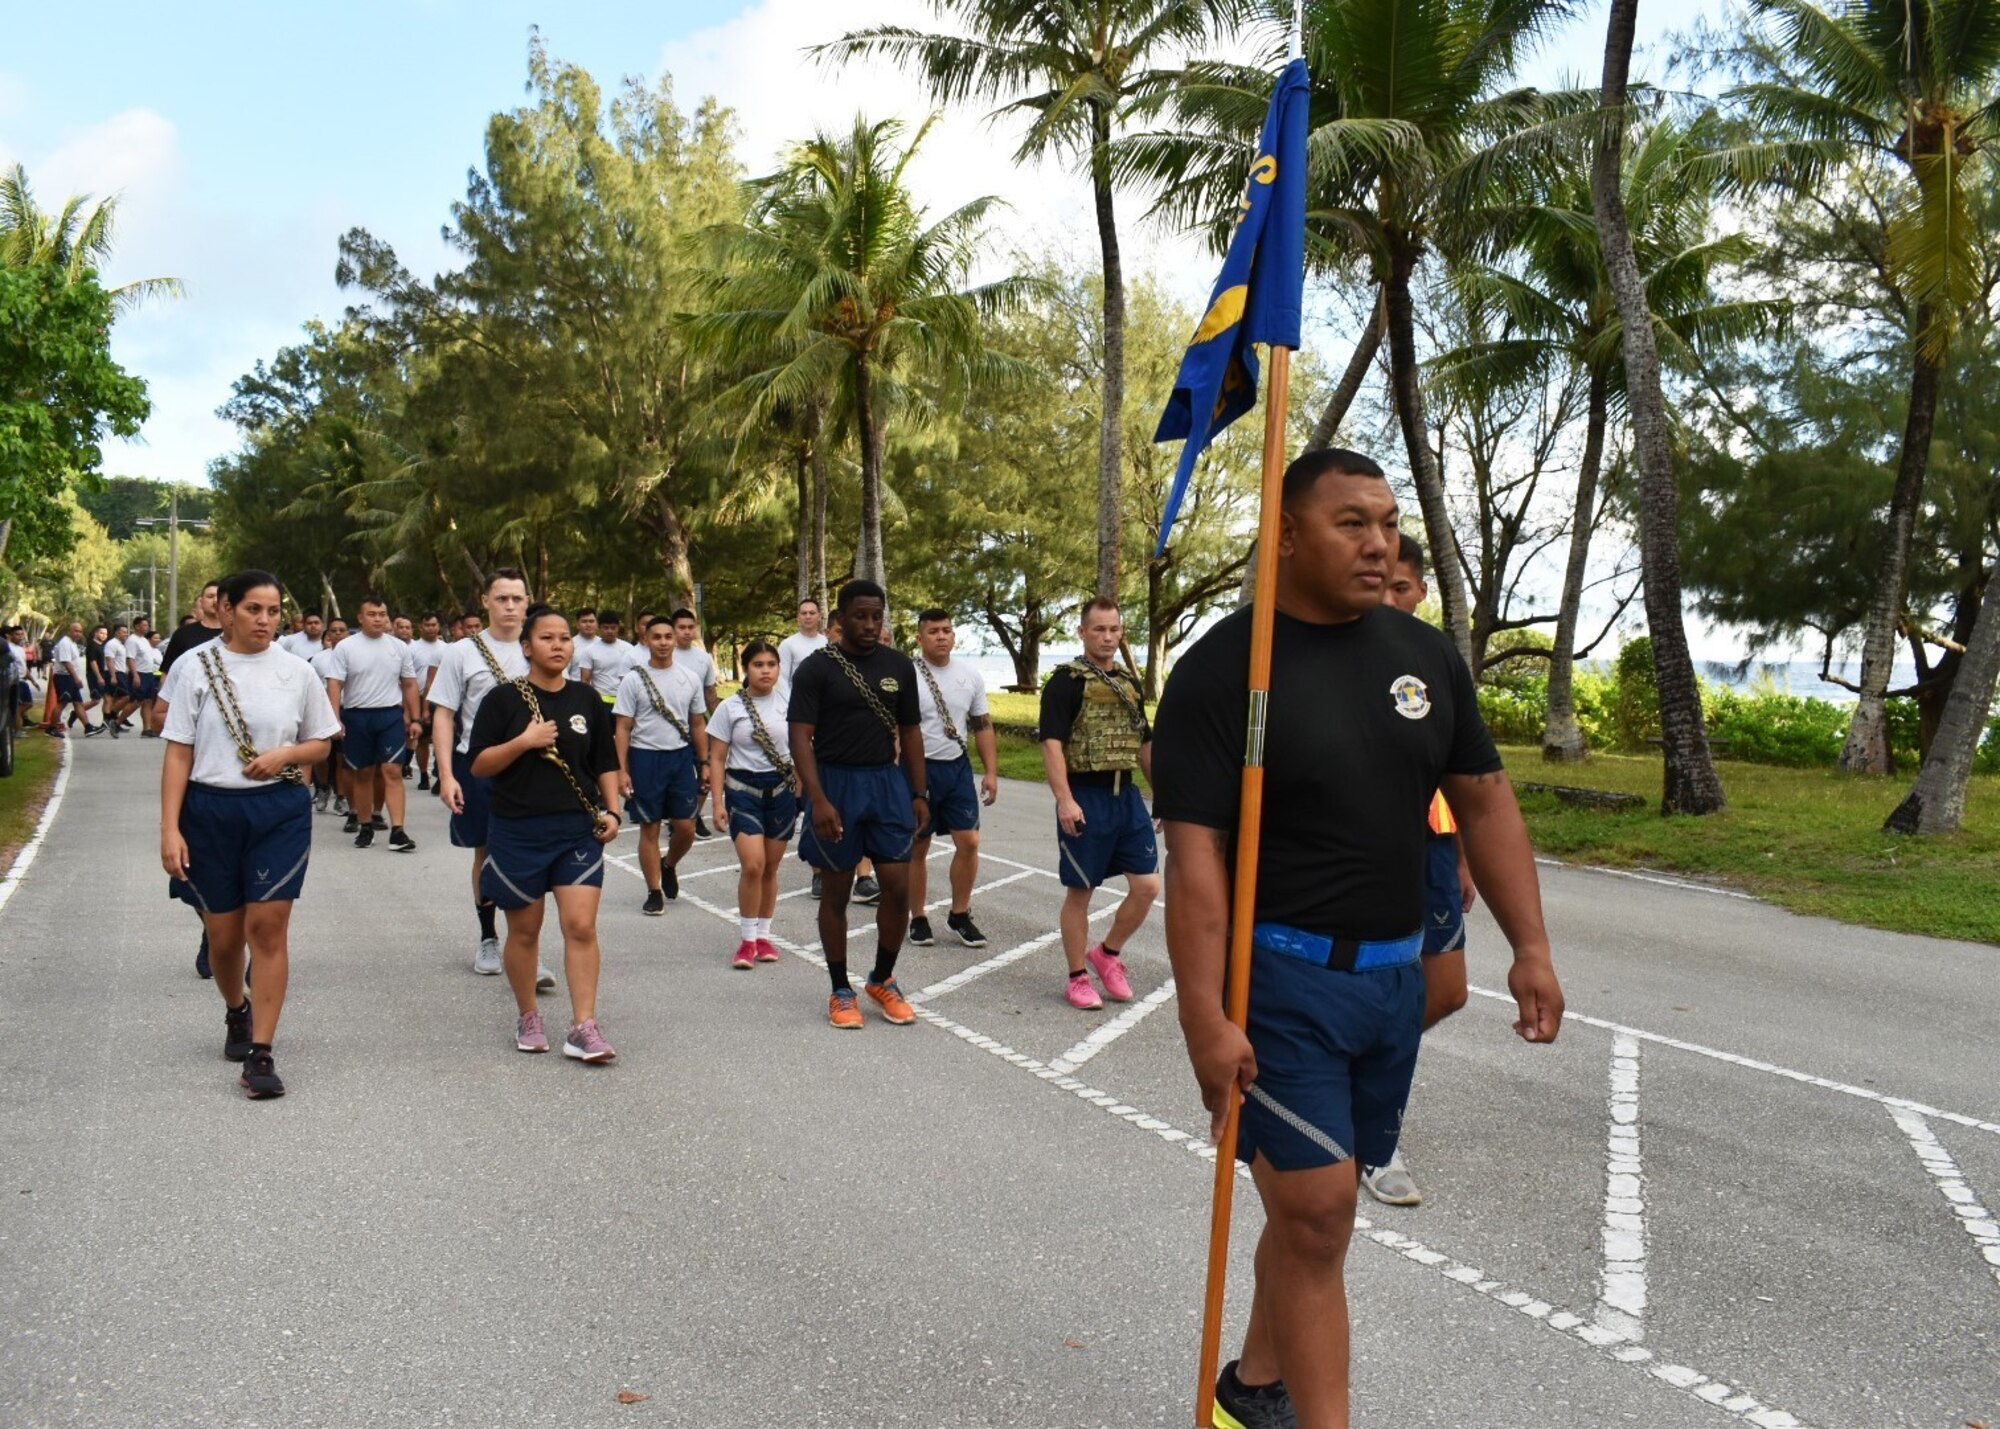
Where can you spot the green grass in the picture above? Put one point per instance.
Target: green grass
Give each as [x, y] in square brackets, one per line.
[36, 758]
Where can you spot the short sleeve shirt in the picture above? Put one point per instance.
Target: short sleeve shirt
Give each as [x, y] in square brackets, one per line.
[464, 679]
[848, 730]
[185, 639]
[114, 654]
[1365, 718]
[794, 648]
[1062, 702]
[281, 702]
[732, 725]
[532, 786]
[426, 654]
[68, 656]
[701, 664]
[607, 661]
[371, 671]
[964, 690]
[677, 690]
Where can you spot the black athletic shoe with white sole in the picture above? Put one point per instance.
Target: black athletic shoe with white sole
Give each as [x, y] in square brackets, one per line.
[260, 1077]
[655, 905]
[920, 932]
[867, 890]
[236, 1031]
[366, 837]
[967, 930]
[401, 842]
[201, 968]
[702, 832]
[670, 883]
[1238, 1406]
[353, 824]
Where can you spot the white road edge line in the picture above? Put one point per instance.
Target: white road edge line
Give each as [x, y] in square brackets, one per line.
[1736, 1059]
[1723, 1396]
[25, 859]
[1000, 960]
[1621, 1294]
[1685, 883]
[1111, 1031]
[1974, 1218]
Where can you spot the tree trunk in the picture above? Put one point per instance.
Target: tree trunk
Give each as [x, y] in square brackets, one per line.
[1562, 738]
[1867, 748]
[1156, 640]
[1028, 664]
[802, 542]
[673, 553]
[1328, 426]
[1691, 785]
[1446, 576]
[868, 562]
[1936, 801]
[1111, 425]
[819, 523]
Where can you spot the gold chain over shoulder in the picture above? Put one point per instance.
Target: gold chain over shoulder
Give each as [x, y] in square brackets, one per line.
[764, 741]
[839, 657]
[231, 709]
[1110, 728]
[682, 727]
[590, 805]
[944, 711]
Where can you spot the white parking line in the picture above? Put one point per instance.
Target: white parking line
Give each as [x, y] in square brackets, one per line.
[1736, 1059]
[1977, 1221]
[993, 964]
[1660, 879]
[1621, 1295]
[1111, 1031]
[25, 859]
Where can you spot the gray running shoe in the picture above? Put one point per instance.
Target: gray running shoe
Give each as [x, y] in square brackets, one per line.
[1392, 1185]
[486, 962]
[1237, 1406]
[867, 890]
[544, 979]
[321, 798]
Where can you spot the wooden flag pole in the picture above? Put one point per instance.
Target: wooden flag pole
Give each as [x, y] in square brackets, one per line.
[1250, 819]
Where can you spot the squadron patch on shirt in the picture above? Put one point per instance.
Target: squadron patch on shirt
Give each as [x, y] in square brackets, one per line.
[891, 685]
[578, 723]
[1411, 695]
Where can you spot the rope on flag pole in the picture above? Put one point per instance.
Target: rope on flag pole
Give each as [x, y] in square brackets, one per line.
[1250, 819]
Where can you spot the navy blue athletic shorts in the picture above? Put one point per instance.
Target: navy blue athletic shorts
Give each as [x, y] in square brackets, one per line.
[664, 784]
[1444, 902]
[1117, 837]
[67, 691]
[469, 829]
[374, 736]
[761, 804]
[244, 845]
[525, 858]
[954, 796]
[149, 685]
[876, 822]
[121, 683]
[1336, 1052]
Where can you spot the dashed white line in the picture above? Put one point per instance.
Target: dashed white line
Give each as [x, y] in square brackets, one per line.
[1117, 1027]
[1621, 1294]
[25, 859]
[1736, 1059]
[1977, 1221]
[1000, 960]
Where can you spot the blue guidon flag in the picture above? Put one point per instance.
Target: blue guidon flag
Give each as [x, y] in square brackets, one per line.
[1258, 298]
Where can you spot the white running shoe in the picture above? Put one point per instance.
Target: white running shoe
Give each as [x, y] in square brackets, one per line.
[544, 979]
[1392, 1185]
[486, 962]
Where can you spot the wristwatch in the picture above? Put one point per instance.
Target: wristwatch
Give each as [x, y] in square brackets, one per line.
[923, 794]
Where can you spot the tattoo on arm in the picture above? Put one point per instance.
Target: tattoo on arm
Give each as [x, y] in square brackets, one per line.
[976, 723]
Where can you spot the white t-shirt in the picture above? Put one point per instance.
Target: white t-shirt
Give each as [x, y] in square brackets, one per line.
[427, 656]
[679, 691]
[371, 671]
[114, 654]
[17, 661]
[463, 680]
[794, 648]
[145, 657]
[301, 644]
[281, 702]
[697, 662]
[607, 661]
[322, 662]
[69, 656]
[964, 696]
[732, 726]
[136, 646]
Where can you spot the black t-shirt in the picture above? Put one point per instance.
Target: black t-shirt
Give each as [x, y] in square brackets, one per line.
[532, 786]
[847, 730]
[1365, 718]
[186, 638]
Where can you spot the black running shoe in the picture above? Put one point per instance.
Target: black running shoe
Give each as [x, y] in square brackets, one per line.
[1238, 1406]
[353, 824]
[378, 823]
[201, 968]
[920, 932]
[867, 890]
[236, 1031]
[260, 1078]
[656, 903]
[815, 888]
[701, 828]
[967, 930]
[401, 842]
[670, 883]
[423, 783]
[91, 731]
[365, 837]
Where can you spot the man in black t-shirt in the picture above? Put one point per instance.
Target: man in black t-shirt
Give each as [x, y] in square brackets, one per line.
[854, 714]
[1371, 711]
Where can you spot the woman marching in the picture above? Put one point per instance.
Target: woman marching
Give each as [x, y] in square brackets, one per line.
[756, 794]
[546, 742]
[245, 720]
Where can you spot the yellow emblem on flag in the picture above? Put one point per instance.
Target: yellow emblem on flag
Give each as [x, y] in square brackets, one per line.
[1223, 314]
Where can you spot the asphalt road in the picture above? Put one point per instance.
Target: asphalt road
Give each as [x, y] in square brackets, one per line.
[1779, 1129]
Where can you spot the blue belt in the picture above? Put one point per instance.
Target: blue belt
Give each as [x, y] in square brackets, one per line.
[1340, 954]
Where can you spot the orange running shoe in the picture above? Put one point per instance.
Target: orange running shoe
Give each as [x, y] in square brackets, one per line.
[895, 1007]
[843, 1010]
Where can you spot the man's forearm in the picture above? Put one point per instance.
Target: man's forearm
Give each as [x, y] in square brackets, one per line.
[805, 764]
[444, 731]
[1198, 918]
[911, 748]
[1055, 760]
[1493, 839]
[989, 747]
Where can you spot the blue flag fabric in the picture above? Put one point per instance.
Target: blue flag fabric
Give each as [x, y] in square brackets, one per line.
[1259, 297]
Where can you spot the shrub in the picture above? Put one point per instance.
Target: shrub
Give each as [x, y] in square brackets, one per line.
[1635, 714]
[1766, 727]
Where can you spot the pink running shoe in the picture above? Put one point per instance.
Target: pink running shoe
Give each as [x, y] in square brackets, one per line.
[1110, 970]
[766, 951]
[586, 1043]
[746, 953]
[528, 1034]
[1082, 996]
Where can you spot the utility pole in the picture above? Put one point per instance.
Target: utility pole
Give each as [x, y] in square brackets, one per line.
[172, 521]
[151, 570]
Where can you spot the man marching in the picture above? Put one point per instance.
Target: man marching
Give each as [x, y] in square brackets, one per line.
[1094, 737]
[372, 682]
[662, 731]
[1370, 713]
[809, 638]
[952, 697]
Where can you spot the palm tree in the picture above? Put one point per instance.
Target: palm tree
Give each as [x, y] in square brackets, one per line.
[76, 240]
[1556, 294]
[836, 286]
[1412, 127]
[1905, 86]
[1080, 67]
